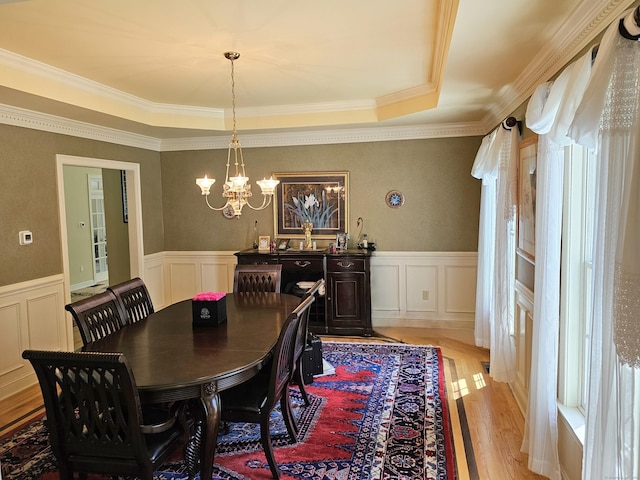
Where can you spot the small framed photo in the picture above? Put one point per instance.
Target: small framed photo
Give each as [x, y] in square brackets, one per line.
[283, 244]
[264, 243]
[341, 241]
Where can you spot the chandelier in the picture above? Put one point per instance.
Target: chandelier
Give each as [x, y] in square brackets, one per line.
[236, 189]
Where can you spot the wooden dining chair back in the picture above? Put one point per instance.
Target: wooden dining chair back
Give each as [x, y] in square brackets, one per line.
[94, 418]
[301, 341]
[253, 400]
[135, 298]
[257, 278]
[98, 316]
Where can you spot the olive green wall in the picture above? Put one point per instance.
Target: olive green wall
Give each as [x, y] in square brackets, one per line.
[442, 200]
[440, 213]
[29, 199]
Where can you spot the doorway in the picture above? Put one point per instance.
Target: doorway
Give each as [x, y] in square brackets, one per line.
[134, 211]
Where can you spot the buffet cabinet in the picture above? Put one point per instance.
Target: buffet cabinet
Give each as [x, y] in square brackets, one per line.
[345, 309]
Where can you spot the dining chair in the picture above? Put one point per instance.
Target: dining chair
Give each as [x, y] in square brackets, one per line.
[94, 418]
[135, 298]
[253, 400]
[98, 316]
[302, 342]
[257, 278]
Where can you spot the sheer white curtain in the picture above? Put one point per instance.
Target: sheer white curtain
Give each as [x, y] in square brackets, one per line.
[496, 161]
[486, 169]
[609, 120]
[550, 110]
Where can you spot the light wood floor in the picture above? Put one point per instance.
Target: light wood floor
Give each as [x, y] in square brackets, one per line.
[495, 422]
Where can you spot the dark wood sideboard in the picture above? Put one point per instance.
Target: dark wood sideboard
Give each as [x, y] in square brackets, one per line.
[346, 307]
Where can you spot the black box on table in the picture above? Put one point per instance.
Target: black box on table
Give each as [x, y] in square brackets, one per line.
[209, 309]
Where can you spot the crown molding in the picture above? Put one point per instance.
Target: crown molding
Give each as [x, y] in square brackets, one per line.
[20, 117]
[354, 135]
[50, 123]
[585, 23]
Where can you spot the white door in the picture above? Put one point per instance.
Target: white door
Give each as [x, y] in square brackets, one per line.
[98, 229]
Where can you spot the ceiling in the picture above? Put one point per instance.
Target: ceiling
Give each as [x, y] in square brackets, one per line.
[156, 67]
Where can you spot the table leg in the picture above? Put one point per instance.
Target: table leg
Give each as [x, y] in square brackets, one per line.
[211, 404]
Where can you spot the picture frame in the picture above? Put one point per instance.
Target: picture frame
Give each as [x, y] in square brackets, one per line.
[264, 243]
[321, 197]
[342, 240]
[283, 243]
[527, 165]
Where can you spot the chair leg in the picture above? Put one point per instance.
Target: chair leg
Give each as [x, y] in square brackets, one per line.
[287, 416]
[299, 380]
[265, 439]
[289, 406]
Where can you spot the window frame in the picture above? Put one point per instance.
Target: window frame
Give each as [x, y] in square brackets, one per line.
[576, 277]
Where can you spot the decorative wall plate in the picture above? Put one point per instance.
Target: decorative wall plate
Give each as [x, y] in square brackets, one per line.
[394, 199]
[228, 212]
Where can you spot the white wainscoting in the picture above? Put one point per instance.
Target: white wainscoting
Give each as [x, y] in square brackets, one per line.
[32, 316]
[184, 274]
[523, 332]
[409, 289]
[423, 289]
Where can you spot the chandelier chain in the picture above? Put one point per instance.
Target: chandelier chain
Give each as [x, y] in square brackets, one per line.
[233, 97]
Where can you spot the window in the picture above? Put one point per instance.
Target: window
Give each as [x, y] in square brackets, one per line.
[576, 292]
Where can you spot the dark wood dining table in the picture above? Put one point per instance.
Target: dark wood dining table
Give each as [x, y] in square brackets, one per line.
[173, 360]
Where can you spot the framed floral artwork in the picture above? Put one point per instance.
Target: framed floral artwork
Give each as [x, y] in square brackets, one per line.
[527, 164]
[320, 198]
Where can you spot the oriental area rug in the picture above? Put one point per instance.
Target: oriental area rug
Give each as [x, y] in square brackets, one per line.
[383, 414]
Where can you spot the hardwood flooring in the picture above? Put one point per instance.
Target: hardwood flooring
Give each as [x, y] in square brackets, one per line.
[495, 423]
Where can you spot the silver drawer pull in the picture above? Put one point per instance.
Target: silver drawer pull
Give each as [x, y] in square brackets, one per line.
[346, 264]
[302, 263]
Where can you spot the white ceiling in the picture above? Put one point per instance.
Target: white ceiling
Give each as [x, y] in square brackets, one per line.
[156, 67]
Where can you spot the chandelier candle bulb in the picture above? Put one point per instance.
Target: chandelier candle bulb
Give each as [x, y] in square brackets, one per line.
[205, 184]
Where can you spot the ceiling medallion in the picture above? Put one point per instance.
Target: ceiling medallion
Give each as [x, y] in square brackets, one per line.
[394, 199]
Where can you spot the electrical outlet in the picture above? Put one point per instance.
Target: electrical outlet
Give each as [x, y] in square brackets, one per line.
[425, 294]
[82, 268]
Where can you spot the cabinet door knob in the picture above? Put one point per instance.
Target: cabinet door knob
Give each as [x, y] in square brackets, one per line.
[302, 263]
[346, 264]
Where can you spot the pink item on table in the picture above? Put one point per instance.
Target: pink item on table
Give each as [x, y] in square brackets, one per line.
[209, 296]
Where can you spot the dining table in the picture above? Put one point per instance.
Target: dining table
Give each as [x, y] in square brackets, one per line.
[173, 360]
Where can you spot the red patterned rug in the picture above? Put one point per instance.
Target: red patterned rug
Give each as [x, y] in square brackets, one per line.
[382, 415]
